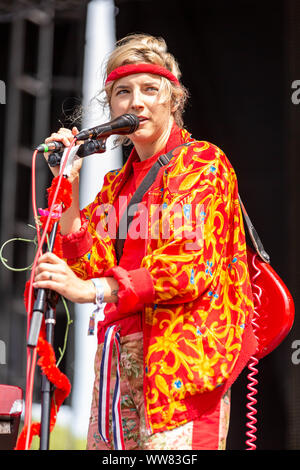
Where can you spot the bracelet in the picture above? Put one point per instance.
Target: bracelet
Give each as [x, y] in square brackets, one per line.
[99, 291]
[99, 305]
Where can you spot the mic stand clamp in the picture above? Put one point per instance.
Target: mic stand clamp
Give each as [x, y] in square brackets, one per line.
[91, 146]
[80, 151]
[54, 159]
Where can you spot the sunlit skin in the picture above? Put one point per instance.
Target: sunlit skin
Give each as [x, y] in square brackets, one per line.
[137, 94]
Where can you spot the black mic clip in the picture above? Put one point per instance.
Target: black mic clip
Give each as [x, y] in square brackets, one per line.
[84, 150]
[54, 159]
[91, 146]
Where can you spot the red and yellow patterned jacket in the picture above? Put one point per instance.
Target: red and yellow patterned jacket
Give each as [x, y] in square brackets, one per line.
[197, 314]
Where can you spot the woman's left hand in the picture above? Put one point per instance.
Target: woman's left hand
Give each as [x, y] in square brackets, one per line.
[53, 273]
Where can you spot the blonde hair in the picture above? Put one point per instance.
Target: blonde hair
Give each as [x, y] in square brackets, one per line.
[144, 48]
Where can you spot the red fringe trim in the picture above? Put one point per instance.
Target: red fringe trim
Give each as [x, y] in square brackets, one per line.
[64, 195]
[58, 379]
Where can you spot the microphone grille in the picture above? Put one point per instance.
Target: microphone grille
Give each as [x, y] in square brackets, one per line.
[133, 121]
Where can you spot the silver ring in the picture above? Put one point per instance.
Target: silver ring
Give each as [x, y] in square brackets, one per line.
[50, 277]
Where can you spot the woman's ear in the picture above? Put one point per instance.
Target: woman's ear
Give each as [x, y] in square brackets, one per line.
[174, 106]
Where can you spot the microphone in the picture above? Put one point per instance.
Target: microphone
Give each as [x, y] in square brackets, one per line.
[122, 125]
[50, 147]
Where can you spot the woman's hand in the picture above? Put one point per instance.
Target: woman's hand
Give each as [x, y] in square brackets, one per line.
[54, 273]
[65, 136]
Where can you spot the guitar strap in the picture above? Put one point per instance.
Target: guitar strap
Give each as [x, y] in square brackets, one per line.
[257, 243]
[136, 199]
[143, 188]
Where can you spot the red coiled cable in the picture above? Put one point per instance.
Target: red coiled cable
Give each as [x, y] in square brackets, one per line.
[251, 423]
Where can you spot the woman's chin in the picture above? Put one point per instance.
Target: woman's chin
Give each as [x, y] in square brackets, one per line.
[140, 136]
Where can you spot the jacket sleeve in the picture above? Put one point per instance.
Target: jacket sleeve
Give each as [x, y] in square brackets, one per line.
[90, 251]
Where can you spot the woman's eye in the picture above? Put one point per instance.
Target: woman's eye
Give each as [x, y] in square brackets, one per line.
[121, 92]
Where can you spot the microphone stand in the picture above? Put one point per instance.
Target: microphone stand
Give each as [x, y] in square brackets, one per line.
[45, 304]
[46, 299]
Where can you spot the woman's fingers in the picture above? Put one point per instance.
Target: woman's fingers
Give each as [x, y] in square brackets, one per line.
[64, 282]
[54, 282]
[50, 263]
[47, 267]
[49, 257]
[50, 276]
[51, 272]
[63, 135]
[60, 138]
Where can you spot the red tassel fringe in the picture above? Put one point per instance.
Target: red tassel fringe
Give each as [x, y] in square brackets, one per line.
[64, 195]
[58, 379]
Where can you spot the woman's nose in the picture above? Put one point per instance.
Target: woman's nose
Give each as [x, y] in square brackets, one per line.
[137, 102]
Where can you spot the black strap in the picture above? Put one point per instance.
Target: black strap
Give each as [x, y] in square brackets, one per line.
[257, 243]
[136, 198]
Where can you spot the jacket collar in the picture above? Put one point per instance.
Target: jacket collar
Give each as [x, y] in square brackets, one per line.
[177, 137]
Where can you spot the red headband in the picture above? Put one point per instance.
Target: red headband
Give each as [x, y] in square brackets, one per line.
[130, 69]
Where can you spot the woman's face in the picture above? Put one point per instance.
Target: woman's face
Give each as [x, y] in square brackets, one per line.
[139, 94]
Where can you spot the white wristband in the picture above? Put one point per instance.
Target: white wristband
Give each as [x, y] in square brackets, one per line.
[99, 305]
[99, 291]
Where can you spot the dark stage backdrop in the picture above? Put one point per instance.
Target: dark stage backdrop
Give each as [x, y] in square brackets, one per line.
[234, 62]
